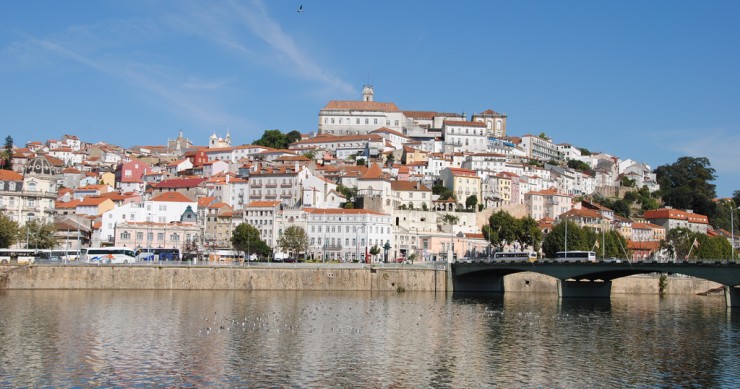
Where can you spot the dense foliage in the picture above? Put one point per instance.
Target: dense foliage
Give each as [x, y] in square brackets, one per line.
[294, 240]
[246, 239]
[685, 184]
[503, 229]
[684, 244]
[8, 231]
[6, 160]
[606, 245]
[277, 140]
[578, 165]
[38, 235]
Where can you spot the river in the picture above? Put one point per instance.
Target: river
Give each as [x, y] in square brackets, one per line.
[53, 338]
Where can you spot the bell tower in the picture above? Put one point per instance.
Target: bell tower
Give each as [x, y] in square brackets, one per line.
[367, 93]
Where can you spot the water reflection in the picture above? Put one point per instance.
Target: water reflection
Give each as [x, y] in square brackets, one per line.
[321, 339]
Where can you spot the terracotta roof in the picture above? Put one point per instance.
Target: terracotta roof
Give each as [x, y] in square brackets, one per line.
[374, 172]
[361, 106]
[175, 197]
[71, 170]
[339, 139]
[92, 201]
[263, 204]
[428, 115]
[205, 201]
[407, 186]
[10, 175]
[463, 172]
[67, 204]
[341, 211]
[489, 112]
[180, 183]
[464, 123]
[388, 130]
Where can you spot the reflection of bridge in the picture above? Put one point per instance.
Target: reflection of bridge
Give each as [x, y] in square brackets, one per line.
[584, 279]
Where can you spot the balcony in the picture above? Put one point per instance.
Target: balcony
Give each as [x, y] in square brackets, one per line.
[286, 185]
[271, 186]
[256, 185]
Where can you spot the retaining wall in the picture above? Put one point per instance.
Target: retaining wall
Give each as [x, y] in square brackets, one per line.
[195, 278]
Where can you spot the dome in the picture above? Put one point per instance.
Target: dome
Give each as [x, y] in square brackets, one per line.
[39, 166]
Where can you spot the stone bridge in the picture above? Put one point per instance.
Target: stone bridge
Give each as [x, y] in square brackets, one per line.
[590, 279]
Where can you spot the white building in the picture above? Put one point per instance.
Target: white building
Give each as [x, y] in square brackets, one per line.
[163, 208]
[347, 234]
[340, 117]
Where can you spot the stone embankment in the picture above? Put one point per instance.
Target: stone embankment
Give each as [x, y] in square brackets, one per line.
[300, 278]
[224, 278]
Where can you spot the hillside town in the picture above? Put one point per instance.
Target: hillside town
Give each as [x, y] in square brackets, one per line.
[365, 178]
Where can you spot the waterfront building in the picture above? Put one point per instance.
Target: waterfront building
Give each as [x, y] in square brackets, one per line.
[347, 234]
[342, 117]
[547, 203]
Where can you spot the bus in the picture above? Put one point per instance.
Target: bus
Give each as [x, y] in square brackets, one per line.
[102, 255]
[226, 256]
[158, 254]
[509, 256]
[576, 256]
[17, 256]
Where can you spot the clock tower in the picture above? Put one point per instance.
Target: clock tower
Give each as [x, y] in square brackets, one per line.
[367, 93]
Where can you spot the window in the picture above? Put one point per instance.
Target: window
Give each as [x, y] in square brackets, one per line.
[139, 236]
[175, 237]
[160, 236]
[125, 235]
[375, 121]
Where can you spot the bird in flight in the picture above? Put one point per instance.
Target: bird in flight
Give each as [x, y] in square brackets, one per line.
[300, 8]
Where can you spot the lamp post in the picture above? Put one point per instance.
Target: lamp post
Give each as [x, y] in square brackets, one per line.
[732, 228]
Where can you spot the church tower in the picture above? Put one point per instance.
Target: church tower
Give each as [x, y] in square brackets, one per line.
[367, 93]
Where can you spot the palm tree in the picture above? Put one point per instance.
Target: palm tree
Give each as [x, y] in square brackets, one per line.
[451, 220]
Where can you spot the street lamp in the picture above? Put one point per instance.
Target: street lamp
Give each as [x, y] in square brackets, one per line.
[732, 228]
[386, 247]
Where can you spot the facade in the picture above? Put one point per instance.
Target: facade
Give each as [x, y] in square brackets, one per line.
[670, 218]
[30, 196]
[546, 203]
[359, 117]
[539, 148]
[494, 121]
[347, 234]
[143, 235]
[463, 182]
[466, 136]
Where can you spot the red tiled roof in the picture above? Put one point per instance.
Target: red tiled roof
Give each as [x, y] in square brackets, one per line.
[10, 175]
[92, 201]
[180, 183]
[464, 123]
[341, 211]
[175, 197]
[361, 106]
[263, 204]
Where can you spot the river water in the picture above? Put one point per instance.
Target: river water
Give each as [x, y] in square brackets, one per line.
[362, 339]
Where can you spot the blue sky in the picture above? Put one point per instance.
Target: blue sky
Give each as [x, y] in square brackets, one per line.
[651, 81]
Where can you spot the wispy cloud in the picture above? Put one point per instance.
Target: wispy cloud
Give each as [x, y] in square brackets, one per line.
[719, 145]
[98, 47]
[234, 25]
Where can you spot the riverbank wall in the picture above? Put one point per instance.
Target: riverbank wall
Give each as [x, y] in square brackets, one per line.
[303, 278]
[223, 278]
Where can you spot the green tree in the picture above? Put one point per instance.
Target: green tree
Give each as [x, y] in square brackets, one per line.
[584, 152]
[375, 250]
[360, 161]
[528, 233]
[246, 239]
[310, 154]
[390, 159]
[471, 202]
[678, 243]
[685, 184]
[736, 197]
[715, 247]
[292, 137]
[7, 158]
[275, 139]
[578, 239]
[39, 235]
[349, 193]
[500, 230]
[294, 240]
[578, 165]
[8, 231]
[628, 182]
